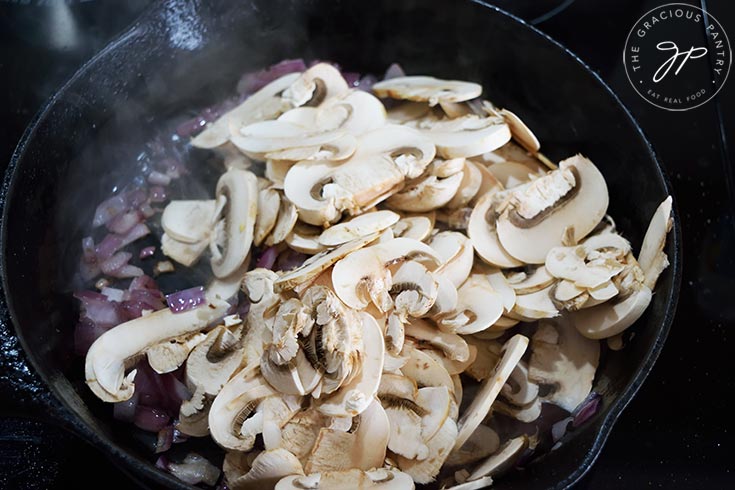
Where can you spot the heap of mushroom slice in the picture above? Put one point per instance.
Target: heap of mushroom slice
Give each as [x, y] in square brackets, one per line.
[455, 277]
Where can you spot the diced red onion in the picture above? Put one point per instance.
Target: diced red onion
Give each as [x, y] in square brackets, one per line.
[267, 258]
[127, 271]
[142, 299]
[366, 83]
[147, 252]
[559, 429]
[108, 246]
[243, 308]
[158, 194]
[252, 82]
[137, 197]
[165, 439]
[179, 436]
[289, 259]
[138, 231]
[162, 462]
[113, 294]
[150, 419]
[146, 210]
[586, 409]
[352, 78]
[190, 126]
[115, 263]
[99, 309]
[108, 209]
[394, 71]
[125, 410]
[143, 282]
[185, 300]
[88, 271]
[88, 254]
[158, 178]
[195, 469]
[123, 222]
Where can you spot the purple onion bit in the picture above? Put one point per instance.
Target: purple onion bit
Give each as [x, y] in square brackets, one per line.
[394, 71]
[147, 252]
[559, 429]
[254, 81]
[586, 409]
[268, 258]
[185, 300]
[150, 419]
[165, 439]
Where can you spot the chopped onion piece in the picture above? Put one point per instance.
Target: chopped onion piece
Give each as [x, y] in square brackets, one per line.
[185, 300]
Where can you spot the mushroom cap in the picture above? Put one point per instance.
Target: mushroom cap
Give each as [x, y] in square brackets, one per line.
[357, 227]
[581, 207]
[427, 89]
[484, 236]
[240, 187]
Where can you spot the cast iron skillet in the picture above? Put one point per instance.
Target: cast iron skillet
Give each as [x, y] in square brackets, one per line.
[183, 55]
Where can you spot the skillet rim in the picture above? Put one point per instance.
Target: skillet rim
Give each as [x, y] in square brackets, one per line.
[127, 461]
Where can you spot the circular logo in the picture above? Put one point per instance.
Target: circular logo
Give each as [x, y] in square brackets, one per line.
[677, 57]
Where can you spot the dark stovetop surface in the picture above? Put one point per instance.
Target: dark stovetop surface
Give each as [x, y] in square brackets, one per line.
[676, 433]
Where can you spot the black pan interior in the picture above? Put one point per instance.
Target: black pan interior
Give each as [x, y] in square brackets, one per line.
[186, 55]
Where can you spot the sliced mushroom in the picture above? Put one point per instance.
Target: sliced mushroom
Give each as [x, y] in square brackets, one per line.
[609, 319]
[168, 356]
[276, 170]
[520, 390]
[482, 231]
[269, 202]
[407, 111]
[573, 196]
[414, 290]
[521, 133]
[425, 371]
[185, 254]
[358, 227]
[355, 112]
[652, 259]
[417, 226]
[267, 469]
[354, 397]
[534, 306]
[565, 361]
[534, 279]
[446, 297]
[188, 221]
[285, 140]
[427, 89]
[468, 188]
[240, 188]
[479, 306]
[591, 264]
[512, 174]
[483, 442]
[425, 471]
[453, 345]
[305, 239]
[487, 357]
[117, 349]
[484, 482]
[453, 367]
[362, 276]
[426, 194]
[466, 136]
[503, 460]
[490, 388]
[457, 255]
[264, 104]
[317, 84]
[507, 294]
[381, 478]
[317, 264]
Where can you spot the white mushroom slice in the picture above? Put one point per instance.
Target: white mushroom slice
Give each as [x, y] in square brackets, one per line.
[457, 255]
[336, 149]
[287, 217]
[355, 112]
[168, 356]
[521, 133]
[534, 306]
[362, 276]
[425, 371]
[303, 116]
[513, 152]
[608, 319]
[305, 239]
[565, 360]
[490, 388]
[427, 194]
[232, 422]
[534, 222]
[479, 306]
[487, 357]
[378, 479]
[484, 482]
[535, 280]
[453, 367]
[436, 402]
[439, 446]
[483, 234]
[468, 188]
[384, 157]
[188, 221]
[512, 174]
[454, 346]
[301, 432]
[398, 385]
[427, 89]
[466, 136]
[591, 264]
[240, 187]
[454, 109]
[362, 447]
[407, 111]
[270, 139]
[525, 413]
[269, 202]
[405, 415]
[276, 410]
[209, 366]
[446, 297]
[315, 85]
[185, 254]
[501, 461]
[564, 291]
[519, 390]
[116, 349]
[354, 397]
[276, 170]
[507, 294]
[313, 266]
[264, 104]
[652, 259]
[417, 227]
[604, 291]
[414, 290]
[483, 442]
[267, 470]
[296, 377]
[358, 227]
